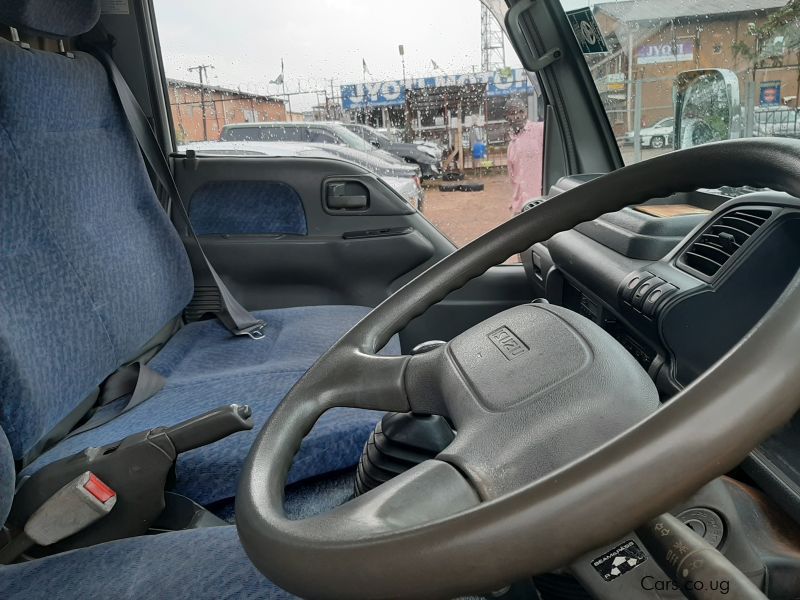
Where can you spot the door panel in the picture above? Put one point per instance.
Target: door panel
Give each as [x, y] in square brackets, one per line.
[325, 269]
[243, 208]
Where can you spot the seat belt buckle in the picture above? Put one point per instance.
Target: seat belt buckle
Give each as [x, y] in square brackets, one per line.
[256, 331]
[80, 503]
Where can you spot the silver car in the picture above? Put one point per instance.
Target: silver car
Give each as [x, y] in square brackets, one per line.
[400, 176]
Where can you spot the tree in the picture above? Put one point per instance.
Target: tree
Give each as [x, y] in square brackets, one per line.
[777, 37]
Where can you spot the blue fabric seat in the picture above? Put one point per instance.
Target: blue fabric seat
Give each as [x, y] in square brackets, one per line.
[205, 368]
[91, 270]
[198, 564]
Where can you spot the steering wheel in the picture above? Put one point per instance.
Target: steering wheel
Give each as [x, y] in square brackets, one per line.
[561, 446]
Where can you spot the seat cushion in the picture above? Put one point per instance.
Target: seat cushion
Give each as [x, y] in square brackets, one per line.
[198, 564]
[206, 367]
[294, 339]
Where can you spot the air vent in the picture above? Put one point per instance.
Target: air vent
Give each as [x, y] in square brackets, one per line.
[709, 252]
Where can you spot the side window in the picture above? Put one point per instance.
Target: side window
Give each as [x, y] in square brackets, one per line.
[464, 117]
[273, 134]
[317, 135]
[240, 134]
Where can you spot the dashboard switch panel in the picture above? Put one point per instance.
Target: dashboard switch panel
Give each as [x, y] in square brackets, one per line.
[644, 292]
[632, 283]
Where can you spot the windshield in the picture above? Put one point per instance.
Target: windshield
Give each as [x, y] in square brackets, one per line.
[678, 73]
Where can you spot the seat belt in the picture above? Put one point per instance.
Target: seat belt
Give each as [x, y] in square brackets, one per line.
[232, 314]
[136, 380]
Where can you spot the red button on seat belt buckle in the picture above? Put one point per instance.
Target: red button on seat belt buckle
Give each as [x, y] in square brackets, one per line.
[71, 509]
[98, 489]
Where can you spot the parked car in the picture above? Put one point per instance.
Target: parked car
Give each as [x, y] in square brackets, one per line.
[398, 135]
[402, 178]
[331, 133]
[428, 157]
[656, 136]
[311, 132]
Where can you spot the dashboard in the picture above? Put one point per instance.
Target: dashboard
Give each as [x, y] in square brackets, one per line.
[678, 282]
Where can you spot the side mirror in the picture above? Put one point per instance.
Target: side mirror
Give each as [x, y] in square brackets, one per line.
[707, 107]
[375, 143]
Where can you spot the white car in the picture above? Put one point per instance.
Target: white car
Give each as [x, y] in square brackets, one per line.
[655, 136]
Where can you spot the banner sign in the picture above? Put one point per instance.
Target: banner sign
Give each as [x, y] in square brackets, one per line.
[681, 51]
[393, 93]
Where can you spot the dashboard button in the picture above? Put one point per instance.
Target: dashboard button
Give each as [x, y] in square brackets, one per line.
[633, 281]
[657, 295]
[644, 289]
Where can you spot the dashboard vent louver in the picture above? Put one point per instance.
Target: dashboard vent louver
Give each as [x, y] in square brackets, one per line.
[709, 252]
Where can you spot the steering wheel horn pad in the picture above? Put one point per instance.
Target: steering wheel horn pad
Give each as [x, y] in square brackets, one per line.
[528, 391]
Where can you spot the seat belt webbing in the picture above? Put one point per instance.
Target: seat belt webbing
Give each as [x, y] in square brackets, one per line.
[137, 380]
[232, 314]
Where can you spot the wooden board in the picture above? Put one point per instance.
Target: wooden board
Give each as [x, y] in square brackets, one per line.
[670, 210]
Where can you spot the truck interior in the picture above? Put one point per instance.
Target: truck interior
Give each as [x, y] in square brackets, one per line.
[271, 377]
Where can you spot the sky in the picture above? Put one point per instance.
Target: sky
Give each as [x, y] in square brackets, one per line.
[319, 40]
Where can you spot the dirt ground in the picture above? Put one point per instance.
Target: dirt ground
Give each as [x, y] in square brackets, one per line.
[463, 216]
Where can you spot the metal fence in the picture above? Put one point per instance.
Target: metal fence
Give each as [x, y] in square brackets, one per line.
[778, 121]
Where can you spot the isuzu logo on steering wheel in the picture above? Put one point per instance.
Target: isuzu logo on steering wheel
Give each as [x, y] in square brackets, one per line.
[508, 343]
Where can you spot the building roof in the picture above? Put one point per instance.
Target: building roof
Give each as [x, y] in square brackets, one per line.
[222, 90]
[655, 10]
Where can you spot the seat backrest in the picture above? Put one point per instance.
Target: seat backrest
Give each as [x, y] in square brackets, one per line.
[90, 266]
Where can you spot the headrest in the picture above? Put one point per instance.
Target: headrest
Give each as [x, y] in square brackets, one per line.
[51, 18]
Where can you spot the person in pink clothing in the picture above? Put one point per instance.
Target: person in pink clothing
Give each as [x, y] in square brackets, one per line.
[525, 157]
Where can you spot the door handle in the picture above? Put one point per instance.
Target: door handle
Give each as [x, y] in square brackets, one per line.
[348, 202]
[347, 195]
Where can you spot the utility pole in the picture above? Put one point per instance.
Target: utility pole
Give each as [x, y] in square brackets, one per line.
[202, 71]
[288, 97]
[630, 87]
[334, 110]
[406, 111]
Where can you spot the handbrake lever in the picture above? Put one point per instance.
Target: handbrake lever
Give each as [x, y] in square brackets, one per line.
[210, 427]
